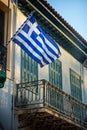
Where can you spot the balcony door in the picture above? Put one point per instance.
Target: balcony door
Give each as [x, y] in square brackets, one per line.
[76, 92]
[55, 78]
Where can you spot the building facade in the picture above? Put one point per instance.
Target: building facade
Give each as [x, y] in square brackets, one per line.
[52, 97]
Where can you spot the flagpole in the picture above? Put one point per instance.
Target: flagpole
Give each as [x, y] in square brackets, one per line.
[8, 41]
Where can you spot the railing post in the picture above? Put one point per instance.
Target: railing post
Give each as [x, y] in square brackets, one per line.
[71, 111]
[44, 92]
[86, 116]
[20, 89]
[3, 60]
[16, 96]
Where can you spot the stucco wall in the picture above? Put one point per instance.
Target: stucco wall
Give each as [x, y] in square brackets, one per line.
[68, 62]
[13, 76]
[43, 73]
[20, 19]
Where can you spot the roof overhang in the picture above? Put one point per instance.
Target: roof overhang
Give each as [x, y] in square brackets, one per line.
[56, 28]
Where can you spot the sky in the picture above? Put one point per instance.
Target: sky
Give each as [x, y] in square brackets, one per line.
[74, 12]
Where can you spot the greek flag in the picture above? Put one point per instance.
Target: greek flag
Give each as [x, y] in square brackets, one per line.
[36, 43]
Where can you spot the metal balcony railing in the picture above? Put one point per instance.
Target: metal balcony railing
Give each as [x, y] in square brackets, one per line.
[43, 94]
[3, 57]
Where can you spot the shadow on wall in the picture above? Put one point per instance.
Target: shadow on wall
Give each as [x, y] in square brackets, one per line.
[1, 126]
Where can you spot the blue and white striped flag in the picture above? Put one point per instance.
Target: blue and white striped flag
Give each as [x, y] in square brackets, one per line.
[36, 43]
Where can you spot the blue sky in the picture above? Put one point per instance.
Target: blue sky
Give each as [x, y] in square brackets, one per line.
[74, 12]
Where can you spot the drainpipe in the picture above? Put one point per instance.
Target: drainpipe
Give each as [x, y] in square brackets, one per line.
[13, 64]
[13, 58]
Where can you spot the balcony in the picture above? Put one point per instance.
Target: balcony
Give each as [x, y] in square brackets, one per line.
[3, 60]
[48, 107]
[3, 57]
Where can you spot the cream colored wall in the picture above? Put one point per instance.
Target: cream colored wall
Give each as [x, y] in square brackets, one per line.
[43, 73]
[20, 19]
[68, 62]
[13, 62]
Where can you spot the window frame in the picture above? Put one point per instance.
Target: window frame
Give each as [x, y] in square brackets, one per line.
[76, 89]
[53, 73]
[2, 26]
[31, 71]
[4, 8]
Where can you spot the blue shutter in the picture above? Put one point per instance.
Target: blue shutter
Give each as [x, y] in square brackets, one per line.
[55, 73]
[55, 78]
[29, 68]
[75, 83]
[76, 92]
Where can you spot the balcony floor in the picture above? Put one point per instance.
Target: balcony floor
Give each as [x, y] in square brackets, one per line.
[45, 119]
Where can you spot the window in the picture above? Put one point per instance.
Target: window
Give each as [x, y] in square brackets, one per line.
[3, 28]
[2, 17]
[29, 68]
[3, 23]
[55, 77]
[75, 83]
[55, 73]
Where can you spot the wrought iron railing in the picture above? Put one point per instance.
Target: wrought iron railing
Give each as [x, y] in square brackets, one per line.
[43, 94]
[3, 57]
